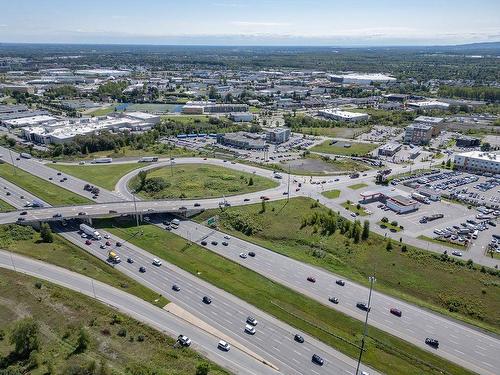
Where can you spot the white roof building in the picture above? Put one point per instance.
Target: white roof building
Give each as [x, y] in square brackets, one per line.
[29, 121]
[428, 104]
[478, 161]
[361, 78]
[336, 114]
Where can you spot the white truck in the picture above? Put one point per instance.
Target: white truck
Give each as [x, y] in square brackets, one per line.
[89, 231]
[148, 159]
[102, 160]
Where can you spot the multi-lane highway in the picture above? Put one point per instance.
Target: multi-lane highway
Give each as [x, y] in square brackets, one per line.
[236, 360]
[461, 344]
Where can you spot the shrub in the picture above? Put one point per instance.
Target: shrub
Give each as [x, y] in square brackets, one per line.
[384, 220]
[122, 332]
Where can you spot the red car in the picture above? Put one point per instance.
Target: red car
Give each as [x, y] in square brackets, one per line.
[396, 312]
[311, 279]
[88, 242]
[108, 243]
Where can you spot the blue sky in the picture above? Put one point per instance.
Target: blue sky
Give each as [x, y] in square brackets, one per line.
[251, 22]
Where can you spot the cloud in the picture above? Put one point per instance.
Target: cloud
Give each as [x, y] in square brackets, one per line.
[259, 24]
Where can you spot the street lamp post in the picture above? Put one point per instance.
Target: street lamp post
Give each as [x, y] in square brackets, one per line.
[372, 279]
[135, 209]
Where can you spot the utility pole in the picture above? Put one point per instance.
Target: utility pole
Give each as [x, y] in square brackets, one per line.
[288, 194]
[12, 160]
[372, 279]
[135, 209]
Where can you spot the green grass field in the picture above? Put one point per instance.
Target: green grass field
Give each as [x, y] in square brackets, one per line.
[105, 176]
[122, 344]
[25, 241]
[100, 111]
[332, 194]
[358, 149]
[353, 208]
[336, 132]
[285, 304]
[6, 207]
[44, 190]
[357, 186]
[389, 226]
[443, 243]
[439, 283]
[198, 180]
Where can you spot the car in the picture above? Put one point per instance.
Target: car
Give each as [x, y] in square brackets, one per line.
[130, 260]
[396, 312]
[118, 244]
[246, 200]
[182, 208]
[204, 243]
[176, 288]
[340, 282]
[318, 360]
[21, 219]
[363, 306]
[107, 242]
[264, 198]
[184, 340]
[252, 254]
[365, 373]
[50, 178]
[24, 213]
[250, 329]
[22, 196]
[88, 242]
[225, 243]
[222, 345]
[333, 300]
[102, 246]
[106, 236]
[353, 214]
[197, 205]
[207, 300]
[243, 255]
[18, 158]
[227, 237]
[311, 279]
[298, 338]
[457, 253]
[156, 262]
[57, 215]
[8, 193]
[142, 269]
[59, 173]
[214, 243]
[82, 213]
[83, 235]
[432, 342]
[252, 321]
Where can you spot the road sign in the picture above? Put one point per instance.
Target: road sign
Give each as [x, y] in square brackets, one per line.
[211, 220]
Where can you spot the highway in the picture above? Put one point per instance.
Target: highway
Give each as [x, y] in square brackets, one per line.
[459, 343]
[235, 360]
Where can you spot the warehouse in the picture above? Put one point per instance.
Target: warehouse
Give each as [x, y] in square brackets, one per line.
[244, 140]
[361, 78]
[336, 114]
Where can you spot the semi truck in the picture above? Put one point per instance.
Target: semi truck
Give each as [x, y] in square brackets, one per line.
[148, 159]
[102, 160]
[421, 198]
[25, 155]
[113, 257]
[89, 231]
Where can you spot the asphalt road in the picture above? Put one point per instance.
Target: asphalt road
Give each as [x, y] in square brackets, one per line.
[227, 313]
[234, 360]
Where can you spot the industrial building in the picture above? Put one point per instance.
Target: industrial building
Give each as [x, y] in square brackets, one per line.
[200, 108]
[361, 78]
[478, 161]
[243, 140]
[338, 115]
[389, 149]
[428, 104]
[418, 134]
[278, 135]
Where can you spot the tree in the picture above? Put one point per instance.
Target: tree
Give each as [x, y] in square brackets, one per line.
[366, 230]
[388, 247]
[263, 206]
[250, 181]
[46, 233]
[142, 175]
[83, 340]
[485, 146]
[24, 337]
[448, 163]
[203, 369]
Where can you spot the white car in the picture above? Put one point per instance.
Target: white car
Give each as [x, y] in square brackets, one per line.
[106, 236]
[227, 237]
[243, 255]
[250, 329]
[222, 345]
[156, 262]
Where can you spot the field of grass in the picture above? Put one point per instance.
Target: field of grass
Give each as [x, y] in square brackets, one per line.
[198, 180]
[25, 241]
[356, 149]
[443, 243]
[353, 207]
[44, 190]
[389, 226]
[437, 282]
[105, 176]
[186, 119]
[6, 207]
[332, 194]
[101, 111]
[336, 132]
[117, 342]
[357, 186]
[285, 304]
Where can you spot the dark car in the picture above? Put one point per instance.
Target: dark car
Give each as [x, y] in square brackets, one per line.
[24, 213]
[50, 178]
[396, 312]
[317, 359]
[108, 243]
[214, 243]
[130, 260]
[340, 282]
[333, 300]
[246, 200]
[252, 254]
[432, 342]
[57, 215]
[204, 243]
[182, 208]
[197, 205]
[251, 320]
[88, 242]
[21, 219]
[142, 269]
[298, 338]
[225, 243]
[311, 279]
[363, 306]
[82, 213]
[8, 193]
[176, 288]
[207, 300]
[118, 244]
[59, 173]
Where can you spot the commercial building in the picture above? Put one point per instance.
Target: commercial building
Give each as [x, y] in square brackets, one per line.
[361, 78]
[402, 204]
[278, 135]
[433, 195]
[478, 161]
[102, 72]
[467, 142]
[428, 104]
[436, 123]
[389, 149]
[244, 140]
[418, 134]
[338, 115]
[29, 121]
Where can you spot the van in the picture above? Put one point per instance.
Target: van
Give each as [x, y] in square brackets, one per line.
[175, 223]
[474, 235]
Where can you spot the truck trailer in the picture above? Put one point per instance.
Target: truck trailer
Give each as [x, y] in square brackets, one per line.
[89, 231]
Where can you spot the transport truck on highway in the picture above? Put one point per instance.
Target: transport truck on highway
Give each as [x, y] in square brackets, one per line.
[25, 155]
[113, 257]
[102, 160]
[89, 231]
[148, 159]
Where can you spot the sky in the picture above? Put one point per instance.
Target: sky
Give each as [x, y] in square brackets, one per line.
[251, 22]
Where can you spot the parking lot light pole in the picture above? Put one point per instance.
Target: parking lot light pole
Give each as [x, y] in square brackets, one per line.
[372, 280]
